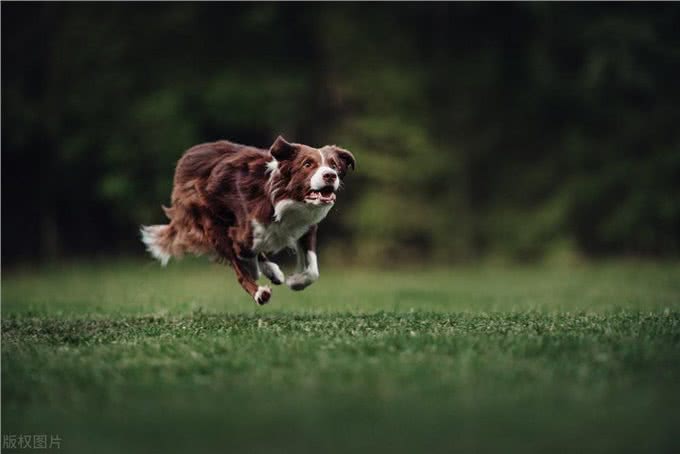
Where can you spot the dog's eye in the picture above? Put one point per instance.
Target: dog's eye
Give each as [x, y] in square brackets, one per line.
[308, 164]
[333, 166]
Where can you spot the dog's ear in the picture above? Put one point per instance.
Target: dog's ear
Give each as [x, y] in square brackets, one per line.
[282, 150]
[347, 157]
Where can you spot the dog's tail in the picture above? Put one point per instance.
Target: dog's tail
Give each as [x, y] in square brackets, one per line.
[159, 241]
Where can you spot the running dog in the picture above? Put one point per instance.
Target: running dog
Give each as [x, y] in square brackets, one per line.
[238, 203]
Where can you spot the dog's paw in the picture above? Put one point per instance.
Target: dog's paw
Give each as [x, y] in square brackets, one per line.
[273, 273]
[299, 281]
[262, 295]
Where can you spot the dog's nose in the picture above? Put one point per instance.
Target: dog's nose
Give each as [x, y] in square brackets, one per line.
[329, 177]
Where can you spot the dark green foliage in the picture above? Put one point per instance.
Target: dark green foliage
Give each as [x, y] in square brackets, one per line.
[512, 130]
[129, 358]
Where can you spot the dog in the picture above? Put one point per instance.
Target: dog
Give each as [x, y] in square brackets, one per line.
[238, 203]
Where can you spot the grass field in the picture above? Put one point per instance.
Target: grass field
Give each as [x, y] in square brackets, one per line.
[127, 357]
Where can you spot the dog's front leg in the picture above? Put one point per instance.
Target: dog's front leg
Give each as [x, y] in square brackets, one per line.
[307, 267]
[271, 270]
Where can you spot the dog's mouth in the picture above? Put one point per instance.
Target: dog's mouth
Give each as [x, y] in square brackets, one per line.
[324, 195]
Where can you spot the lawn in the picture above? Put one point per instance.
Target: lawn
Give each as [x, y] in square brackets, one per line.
[128, 357]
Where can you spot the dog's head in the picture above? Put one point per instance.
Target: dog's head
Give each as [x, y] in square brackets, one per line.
[305, 174]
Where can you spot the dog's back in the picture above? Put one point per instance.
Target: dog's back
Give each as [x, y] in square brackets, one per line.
[199, 160]
[205, 172]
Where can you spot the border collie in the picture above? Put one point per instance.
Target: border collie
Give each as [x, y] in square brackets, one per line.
[237, 203]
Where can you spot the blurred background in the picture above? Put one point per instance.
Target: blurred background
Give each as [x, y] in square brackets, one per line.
[518, 132]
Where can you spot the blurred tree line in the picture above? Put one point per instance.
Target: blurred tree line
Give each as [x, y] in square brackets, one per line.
[510, 130]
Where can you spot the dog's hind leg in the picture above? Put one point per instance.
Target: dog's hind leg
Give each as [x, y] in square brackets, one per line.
[252, 266]
[242, 260]
[271, 270]
[260, 294]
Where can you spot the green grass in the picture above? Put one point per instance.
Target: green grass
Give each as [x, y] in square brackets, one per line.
[127, 357]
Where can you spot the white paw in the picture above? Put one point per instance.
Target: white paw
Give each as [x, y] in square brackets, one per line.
[273, 272]
[300, 281]
[262, 295]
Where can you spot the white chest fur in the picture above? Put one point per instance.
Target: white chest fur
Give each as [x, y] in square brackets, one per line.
[291, 220]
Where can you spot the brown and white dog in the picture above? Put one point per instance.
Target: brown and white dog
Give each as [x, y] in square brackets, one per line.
[238, 203]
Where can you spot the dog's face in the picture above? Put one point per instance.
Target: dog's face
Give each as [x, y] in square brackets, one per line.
[306, 174]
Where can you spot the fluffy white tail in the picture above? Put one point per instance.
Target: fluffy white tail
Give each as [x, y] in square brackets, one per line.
[155, 237]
